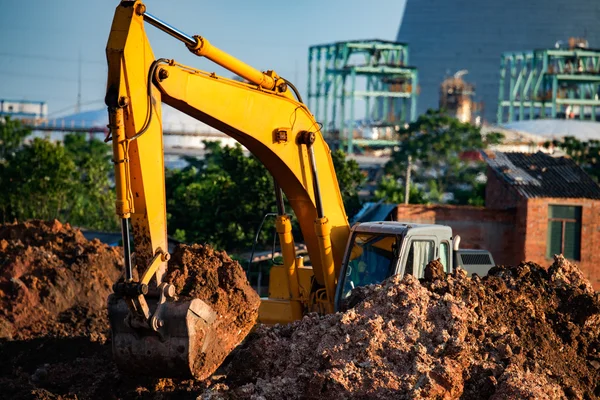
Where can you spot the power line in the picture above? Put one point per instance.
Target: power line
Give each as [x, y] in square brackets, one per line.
[12, 74]
[50, 58]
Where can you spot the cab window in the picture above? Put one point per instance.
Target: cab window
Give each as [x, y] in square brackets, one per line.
[371, 261]
[419, 255]
[444, 247]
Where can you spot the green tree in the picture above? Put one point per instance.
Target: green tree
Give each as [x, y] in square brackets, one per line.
[222, 199]
[585, 153]
[39, 181]
[350, 180]
[12, 133]
[390, 190]
[444, 152]
[45, 180]
[92, 201]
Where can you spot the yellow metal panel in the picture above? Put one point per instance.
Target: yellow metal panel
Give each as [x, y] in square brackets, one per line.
[252, 117]
[129, 58]
[278, 283]
[273, 311]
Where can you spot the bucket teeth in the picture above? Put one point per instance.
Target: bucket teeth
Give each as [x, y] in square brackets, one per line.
[175, 349]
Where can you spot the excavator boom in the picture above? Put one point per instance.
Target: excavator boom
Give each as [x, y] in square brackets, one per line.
[265, 116]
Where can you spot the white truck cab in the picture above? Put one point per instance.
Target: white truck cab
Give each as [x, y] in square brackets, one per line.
[378, 250]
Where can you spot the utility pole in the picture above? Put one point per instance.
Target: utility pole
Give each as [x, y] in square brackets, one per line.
[78, 104]
[407, 183]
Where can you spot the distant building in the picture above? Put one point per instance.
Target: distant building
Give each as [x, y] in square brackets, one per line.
[556, 206]
[456, 97]
[536, 206]
[448, 35]
[23, 109]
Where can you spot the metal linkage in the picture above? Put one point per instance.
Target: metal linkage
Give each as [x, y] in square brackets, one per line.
[163, 26]
[552, 83]
[202, 47]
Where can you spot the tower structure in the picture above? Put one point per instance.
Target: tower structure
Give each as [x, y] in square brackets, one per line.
[374, 71]
[449, 35]
[551, 83]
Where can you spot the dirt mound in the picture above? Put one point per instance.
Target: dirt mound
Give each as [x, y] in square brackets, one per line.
[200, 272]
[522, 332]
[51, 277]
[56, 313]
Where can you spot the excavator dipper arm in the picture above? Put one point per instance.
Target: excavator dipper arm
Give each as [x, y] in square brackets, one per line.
[265, 117]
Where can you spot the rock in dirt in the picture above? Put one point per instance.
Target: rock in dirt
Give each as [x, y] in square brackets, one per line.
[212, 276]
[521, 332]
[434, 270]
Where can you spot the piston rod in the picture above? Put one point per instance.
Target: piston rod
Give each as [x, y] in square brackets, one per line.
[163, 26]
[202, 47]
[126, 250]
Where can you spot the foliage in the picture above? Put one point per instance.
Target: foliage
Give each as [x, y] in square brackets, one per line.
[390, 190]
[47, 180]
[474, 196]
[585, 154]
[93, 198]
[222, 199]
[444, 152]
[12, 133]
[350, 179]
[39, 180]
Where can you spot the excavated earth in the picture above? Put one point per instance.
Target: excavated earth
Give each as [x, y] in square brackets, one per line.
[521, 332]
[55, 336]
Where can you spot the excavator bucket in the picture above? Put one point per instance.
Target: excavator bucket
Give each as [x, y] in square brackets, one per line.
[176, 349]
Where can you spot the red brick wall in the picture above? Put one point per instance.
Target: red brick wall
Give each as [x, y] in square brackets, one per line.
[536, 226]
[498, 193]
[515, 234]
[479, 228]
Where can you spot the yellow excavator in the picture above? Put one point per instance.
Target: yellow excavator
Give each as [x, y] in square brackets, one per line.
[265, 113]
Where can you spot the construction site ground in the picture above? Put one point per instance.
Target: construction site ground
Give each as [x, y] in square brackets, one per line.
[522, 332]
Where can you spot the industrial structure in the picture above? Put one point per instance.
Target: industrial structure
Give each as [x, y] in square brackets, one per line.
[456, 97]
[31, 110]
[374, 71]
[550, 83]
[448, 35]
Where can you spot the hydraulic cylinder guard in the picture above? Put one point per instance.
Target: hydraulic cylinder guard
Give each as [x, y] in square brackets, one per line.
[176, 350]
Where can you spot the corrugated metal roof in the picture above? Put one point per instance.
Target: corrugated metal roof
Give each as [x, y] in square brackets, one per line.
[558, 128]
[374, 212]
[541, 175]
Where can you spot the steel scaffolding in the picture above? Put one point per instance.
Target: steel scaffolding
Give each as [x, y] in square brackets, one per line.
[374, 70]
[555, 83]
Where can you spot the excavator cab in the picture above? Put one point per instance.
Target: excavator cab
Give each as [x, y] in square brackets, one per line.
[378, 250]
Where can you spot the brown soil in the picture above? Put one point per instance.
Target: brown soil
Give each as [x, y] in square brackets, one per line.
[50, 275]
[522, 332]
[212, 276]
[55, 334]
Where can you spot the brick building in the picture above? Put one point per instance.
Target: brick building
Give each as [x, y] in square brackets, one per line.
[536, 206]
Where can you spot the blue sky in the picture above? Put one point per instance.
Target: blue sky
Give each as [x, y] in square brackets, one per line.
[43, 40]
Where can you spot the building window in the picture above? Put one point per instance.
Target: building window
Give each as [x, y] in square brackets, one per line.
[564, 232]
